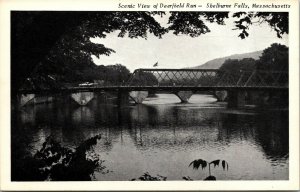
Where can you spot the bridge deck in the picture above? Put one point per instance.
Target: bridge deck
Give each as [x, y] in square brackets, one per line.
[151, 88]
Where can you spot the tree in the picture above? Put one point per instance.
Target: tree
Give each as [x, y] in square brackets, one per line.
[116, 74]
[235, 65]
[192, 23]
[275, 58]
[32, 36]
[232, 69]
[276, 20]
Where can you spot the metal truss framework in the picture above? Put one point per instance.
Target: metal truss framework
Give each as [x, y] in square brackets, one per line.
[207, 78]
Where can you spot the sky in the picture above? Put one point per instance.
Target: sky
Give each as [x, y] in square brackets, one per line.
[183, 51]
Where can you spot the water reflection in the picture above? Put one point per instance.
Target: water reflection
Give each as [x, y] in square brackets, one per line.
[163, 137]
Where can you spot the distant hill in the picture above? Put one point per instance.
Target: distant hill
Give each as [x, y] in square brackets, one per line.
[217, 63]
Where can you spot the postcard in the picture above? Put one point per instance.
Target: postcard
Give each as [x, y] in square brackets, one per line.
[149, 95]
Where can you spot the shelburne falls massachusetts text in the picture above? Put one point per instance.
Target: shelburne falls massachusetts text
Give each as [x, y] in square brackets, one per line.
[149, 96]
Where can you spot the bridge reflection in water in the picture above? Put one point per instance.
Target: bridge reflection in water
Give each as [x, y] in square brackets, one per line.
[163, 136]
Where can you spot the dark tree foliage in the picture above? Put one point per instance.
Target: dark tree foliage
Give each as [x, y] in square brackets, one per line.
[197, 163]
[143, 78]
[57, 163]
[192, 23]
[71, 55]
[147, 177]
[278, 21]
[66, 34]
[33, 34]
[275, 57]
[116, 74]
[235, 65]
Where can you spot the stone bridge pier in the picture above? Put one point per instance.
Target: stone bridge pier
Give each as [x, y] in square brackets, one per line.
[184, 96]
[255, 97]
[123, 98]
[239, 98]
[24, 99]
[138, 96]
[82, 98]
[236, 98]
[221, 95]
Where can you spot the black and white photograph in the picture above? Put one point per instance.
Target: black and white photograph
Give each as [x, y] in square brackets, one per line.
[152, 94]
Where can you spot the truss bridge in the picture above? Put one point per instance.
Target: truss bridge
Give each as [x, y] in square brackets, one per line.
[181, 82]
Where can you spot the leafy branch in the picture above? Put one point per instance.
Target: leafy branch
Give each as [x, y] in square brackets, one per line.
[200, 163]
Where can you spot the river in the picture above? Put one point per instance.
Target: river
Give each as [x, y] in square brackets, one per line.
[163, 136]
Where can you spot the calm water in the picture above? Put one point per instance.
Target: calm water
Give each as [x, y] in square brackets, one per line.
[162, 136]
